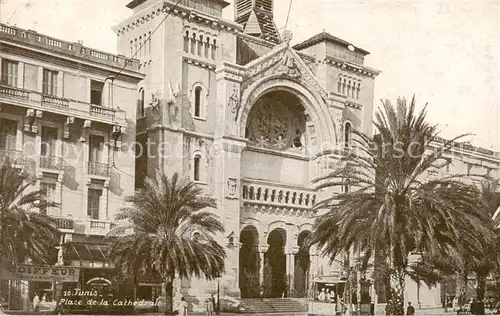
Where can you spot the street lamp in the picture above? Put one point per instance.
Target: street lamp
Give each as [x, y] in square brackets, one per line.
[218, 293]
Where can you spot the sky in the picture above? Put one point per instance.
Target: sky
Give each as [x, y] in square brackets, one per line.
[447, 53]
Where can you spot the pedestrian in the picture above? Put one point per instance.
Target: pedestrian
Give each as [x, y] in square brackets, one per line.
[36, 303]
[184, 307]
[212, 299]
[410, 310]
[209, 307]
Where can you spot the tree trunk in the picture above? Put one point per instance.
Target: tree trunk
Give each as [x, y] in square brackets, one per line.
[462, 280]
[169, 302]
[481, 284]
[397, 279]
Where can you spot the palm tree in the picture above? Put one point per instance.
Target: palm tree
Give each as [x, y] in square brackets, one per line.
[164, 217]
[394, 207]
[25, 233]
[491, 201]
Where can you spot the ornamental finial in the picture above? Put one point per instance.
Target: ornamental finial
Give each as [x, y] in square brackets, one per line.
[287, 36]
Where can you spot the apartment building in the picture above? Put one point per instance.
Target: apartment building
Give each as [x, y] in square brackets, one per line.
[67, 116]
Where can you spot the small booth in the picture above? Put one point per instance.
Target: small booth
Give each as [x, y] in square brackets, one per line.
[327, 297]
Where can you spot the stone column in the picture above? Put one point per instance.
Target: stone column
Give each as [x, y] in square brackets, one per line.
[290, 269]
[262, 252]
[227, 176]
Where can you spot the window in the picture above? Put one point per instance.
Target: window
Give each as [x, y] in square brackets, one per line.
[200, 45]
[349, 87]
[8, 134]
[214, 46]
[339, 86]
[9, 72]
[49, 193]
[131, 49]
[193, 43]
[196, 167]
[357, 91]
[49, 139]
[186, 42]
[49, 86]
[96, 148]
[140, 105]
[93, 203]
[197, 102]
[149, 43]
[96, 89]
[344, 86]
[347, 134]
[207, 44]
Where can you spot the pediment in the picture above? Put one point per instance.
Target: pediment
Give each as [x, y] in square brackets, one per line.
[282, 61]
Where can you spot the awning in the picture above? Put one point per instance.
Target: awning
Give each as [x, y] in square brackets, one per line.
[87, 252]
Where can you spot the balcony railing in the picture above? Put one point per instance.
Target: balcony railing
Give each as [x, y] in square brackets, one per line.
[278, 196]
[98, 169]
[63, 106]
[63, 223]
[14, 93]
[53, 100]
[52, 163]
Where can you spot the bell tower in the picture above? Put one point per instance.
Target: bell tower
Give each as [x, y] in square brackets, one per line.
[257, 18]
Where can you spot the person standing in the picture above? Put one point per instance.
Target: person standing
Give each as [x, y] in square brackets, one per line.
[410, 310]
[36, 303]
[184, 307]
[215, 307]
[210, 307]
[389, 308]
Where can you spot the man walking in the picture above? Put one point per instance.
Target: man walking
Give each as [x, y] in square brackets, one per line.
[410, 310]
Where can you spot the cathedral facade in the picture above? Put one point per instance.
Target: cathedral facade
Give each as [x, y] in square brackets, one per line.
[252, 119]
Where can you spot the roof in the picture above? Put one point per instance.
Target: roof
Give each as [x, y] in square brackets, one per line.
[135, 3]
[327, 37]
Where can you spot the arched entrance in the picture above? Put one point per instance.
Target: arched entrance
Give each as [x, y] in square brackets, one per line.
[302, 265]
[275, 264]
[249, 262]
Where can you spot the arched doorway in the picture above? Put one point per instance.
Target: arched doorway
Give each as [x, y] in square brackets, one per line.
[249, 263]
[275, 264]
[302, 265]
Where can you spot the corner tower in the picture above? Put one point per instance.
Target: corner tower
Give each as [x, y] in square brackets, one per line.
[257, 18]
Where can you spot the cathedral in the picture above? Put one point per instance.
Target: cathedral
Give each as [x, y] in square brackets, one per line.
[253, 119]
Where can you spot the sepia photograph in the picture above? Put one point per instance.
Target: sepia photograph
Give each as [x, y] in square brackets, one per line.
[250, 157]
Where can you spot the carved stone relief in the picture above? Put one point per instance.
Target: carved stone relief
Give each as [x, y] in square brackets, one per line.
[234, 102]
[232, 185]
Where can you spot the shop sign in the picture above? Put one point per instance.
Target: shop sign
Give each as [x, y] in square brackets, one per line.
[41, 273]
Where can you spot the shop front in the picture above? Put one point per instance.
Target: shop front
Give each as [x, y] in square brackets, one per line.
[23, 282]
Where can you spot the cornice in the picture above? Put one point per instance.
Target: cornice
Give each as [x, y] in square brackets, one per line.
[184, 12]
[357, 69]
[256, 40]
[198, 62]
[69, 62]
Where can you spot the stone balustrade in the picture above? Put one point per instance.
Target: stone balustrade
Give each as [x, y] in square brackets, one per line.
[63, 106]
[278, 195]
[33, 38]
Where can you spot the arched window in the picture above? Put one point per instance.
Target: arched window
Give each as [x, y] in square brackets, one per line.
[196, 168]
[186, 42]
[349, 88]
[131, 49]
[343, 86]
[207, 44]
[347, 134]
[140, 47]
[357, 91]
[353, 90]
[200, 46]
[149, 42]
[214, 46]
[339, 86]
[197, 102]
[193, 44]
[140, 105]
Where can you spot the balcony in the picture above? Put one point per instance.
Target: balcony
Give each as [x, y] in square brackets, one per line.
[64, 223]
[52, 163]
[18, 160]
[97, 227]
[75, 50]
[98, 169]
[67, 107]
[262, 193]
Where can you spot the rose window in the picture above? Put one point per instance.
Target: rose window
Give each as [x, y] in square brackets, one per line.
[272, 124]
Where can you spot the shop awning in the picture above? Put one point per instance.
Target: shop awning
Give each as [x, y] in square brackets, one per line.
[87, 252]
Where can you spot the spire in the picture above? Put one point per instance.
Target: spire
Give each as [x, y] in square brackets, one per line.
[257, 18]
